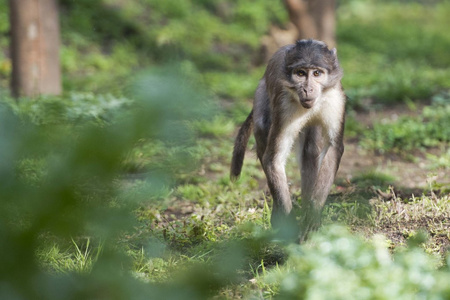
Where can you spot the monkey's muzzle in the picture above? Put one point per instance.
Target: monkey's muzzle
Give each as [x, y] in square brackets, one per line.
[307, 103]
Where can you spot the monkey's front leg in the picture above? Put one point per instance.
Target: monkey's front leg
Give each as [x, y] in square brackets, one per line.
[278, 147]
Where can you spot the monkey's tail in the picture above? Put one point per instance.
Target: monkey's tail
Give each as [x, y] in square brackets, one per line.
[239, 147]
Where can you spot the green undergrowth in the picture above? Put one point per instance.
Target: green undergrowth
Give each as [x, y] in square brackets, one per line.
[338, 265]
[393, 51]
[104, 43]
[152, 227]
[119, 189]
[430, 128]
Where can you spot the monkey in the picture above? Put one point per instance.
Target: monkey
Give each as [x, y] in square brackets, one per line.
[299, 100]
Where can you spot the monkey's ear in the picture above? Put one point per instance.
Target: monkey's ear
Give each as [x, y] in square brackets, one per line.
[334, 52]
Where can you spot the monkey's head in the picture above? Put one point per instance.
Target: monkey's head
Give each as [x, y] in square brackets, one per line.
[311, 68]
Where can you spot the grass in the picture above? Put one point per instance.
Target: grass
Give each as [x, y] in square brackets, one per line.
[402, 219]
[76, 258]
[200, 215]
[407, 133]
[157, 214]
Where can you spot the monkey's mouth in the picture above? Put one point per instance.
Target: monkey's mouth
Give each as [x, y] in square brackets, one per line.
[307, 103]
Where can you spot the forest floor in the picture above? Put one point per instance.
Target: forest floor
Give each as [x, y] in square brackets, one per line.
[374, 193]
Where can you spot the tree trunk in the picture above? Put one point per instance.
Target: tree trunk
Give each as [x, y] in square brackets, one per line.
[35, 48]
[314, 19]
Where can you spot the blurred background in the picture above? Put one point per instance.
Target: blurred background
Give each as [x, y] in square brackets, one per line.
[117, 124]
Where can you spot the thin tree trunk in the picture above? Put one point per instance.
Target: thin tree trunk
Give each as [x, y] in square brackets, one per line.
[299, 14]
[314, 19]
[35, 47]
[324, 14]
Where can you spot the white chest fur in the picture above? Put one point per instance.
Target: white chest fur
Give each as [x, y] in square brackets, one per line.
[327, 113]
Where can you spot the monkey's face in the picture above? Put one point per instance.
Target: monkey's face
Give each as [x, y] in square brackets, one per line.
[311, 68]
[308, 83]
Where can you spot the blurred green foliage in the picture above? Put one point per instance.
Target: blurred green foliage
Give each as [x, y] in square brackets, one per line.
[61, 169]
[394, 50]
[338, 265]
[391, 50]
[87, 178]
[110, 36]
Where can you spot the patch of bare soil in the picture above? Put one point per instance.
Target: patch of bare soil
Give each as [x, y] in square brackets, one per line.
[407, 174]
[399, 232]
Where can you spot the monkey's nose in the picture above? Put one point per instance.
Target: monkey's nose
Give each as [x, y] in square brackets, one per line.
[307, 91]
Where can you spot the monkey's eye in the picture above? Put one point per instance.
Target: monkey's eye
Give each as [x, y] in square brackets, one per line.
[300, 73]
[317, 73]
